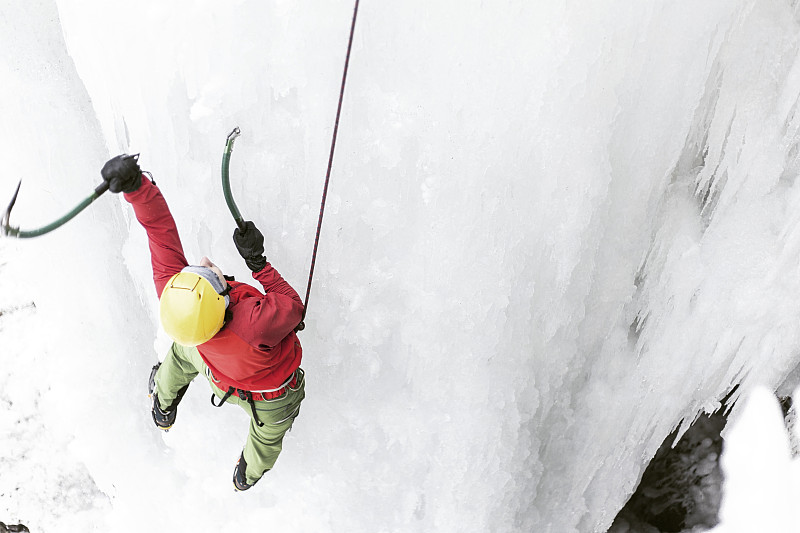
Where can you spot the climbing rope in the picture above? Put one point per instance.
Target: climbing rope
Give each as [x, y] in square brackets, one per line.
[226, 179]
[330, 165]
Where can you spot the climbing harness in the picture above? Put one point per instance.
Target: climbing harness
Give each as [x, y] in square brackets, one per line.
[226, 159]
[248, 395]
[7, 230]
[243, 394]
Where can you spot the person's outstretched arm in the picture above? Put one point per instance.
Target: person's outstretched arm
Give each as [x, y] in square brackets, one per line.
[166, 252]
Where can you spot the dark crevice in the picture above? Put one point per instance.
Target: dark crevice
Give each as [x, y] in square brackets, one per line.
[17, 528]
[681, 487]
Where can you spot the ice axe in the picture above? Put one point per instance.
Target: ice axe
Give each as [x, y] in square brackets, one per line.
[10, 231]
[226, 181]
[226, 189]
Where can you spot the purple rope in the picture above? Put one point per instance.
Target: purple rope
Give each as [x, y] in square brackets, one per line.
[330, 160]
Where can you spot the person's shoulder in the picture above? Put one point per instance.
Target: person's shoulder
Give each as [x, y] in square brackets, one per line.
[243, 293]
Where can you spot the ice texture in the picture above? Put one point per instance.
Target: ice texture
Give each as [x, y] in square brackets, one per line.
[555, 232]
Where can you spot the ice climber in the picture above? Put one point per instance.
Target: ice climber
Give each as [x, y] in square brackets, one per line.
[241, 340]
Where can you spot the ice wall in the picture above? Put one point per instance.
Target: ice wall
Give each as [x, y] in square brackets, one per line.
[554, 232]
[69, 322]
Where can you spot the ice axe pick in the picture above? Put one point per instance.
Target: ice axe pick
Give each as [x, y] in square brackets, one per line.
[10, 231]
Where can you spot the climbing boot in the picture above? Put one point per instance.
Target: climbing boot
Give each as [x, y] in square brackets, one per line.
[151, 383]
[162, 419]
[239, 478]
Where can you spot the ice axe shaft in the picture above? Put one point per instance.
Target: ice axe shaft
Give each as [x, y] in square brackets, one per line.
[226, 188]
[10, 231]
[226, 181]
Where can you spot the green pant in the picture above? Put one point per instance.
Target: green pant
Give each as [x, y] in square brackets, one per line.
[264, 443]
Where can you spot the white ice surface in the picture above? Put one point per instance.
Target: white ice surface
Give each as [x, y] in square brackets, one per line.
[554, 232]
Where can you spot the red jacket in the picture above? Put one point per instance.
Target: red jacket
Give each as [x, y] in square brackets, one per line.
[257, 349]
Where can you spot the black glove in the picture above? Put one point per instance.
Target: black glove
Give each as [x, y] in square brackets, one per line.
[250, 244]
[122, 173]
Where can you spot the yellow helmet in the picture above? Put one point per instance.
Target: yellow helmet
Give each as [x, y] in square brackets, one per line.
[191, 310]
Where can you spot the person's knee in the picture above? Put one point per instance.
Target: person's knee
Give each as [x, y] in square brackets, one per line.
[269, 440]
